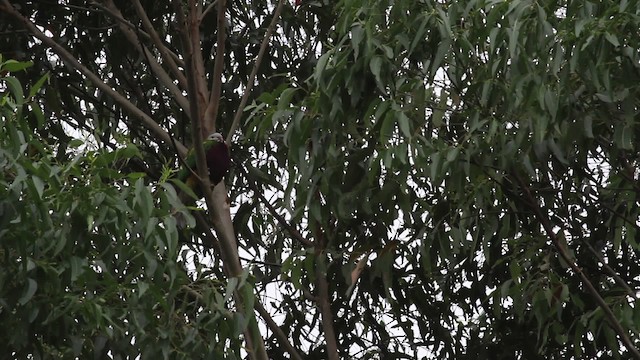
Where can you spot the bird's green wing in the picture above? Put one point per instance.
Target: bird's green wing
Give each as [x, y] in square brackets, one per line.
[190, 161]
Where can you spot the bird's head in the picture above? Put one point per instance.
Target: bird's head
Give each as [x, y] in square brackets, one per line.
[216, 136]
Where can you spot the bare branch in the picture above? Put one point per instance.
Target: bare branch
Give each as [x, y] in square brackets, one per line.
[72, 61]
[282, 337]
[124, 21]
[209, 8]
[164, 51]
[211, 113]
[161, 74]
[199, 77]
[254, 71]
[610, 271]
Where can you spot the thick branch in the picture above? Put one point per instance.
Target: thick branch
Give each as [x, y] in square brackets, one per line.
[327, 315]
[254, 71]
[72, 61]
[216, 200]
[209, 8]
[322, 294]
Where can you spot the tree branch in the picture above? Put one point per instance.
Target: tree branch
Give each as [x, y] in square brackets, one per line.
[198, 64]
[211, 113]
[295, 234]
[216, 200]
[254, 71]
[162, 75]
[72, 61]
[327, 315]
[610, 271]
[280, 335]
[173, 55]
[548, 228]
[323, 297]
[146, 23]
[209, 8]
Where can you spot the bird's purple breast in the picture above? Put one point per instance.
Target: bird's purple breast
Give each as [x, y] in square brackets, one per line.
[218, 161]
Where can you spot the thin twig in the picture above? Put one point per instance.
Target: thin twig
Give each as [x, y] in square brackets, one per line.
[295, 234]
[610, 271]
[254, 71]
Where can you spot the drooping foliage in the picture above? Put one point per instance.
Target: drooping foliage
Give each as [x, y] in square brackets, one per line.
[412, 179]
[90, 257]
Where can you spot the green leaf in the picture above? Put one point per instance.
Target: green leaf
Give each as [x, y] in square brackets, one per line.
[588, 126]
[38, 85]
[15, 88]
[143, 286]
[438, 113]
[441, 52]
[321, 66]
[77, 267]
[75, 143]
[357, 34]
[14, 66]
[376, 65]
[624, 136]
[514, 34]
[144, 200]
[37, 112]
[240, 323]
[435, 166]
[612, 39]
[404, 123]
[38, 185]
[452, 154]
[28, 292]
[388, 127]
[579, 25]
[285, 98]
[540, 128]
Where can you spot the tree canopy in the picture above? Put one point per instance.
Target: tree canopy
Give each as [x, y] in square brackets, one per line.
[410, 179]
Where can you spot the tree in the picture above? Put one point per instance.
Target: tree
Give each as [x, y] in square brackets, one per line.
[411, 178]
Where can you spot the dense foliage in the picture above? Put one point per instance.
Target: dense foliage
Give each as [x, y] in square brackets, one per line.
[411, 179]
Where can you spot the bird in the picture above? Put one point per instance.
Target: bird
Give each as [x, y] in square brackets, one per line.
[218, 161]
